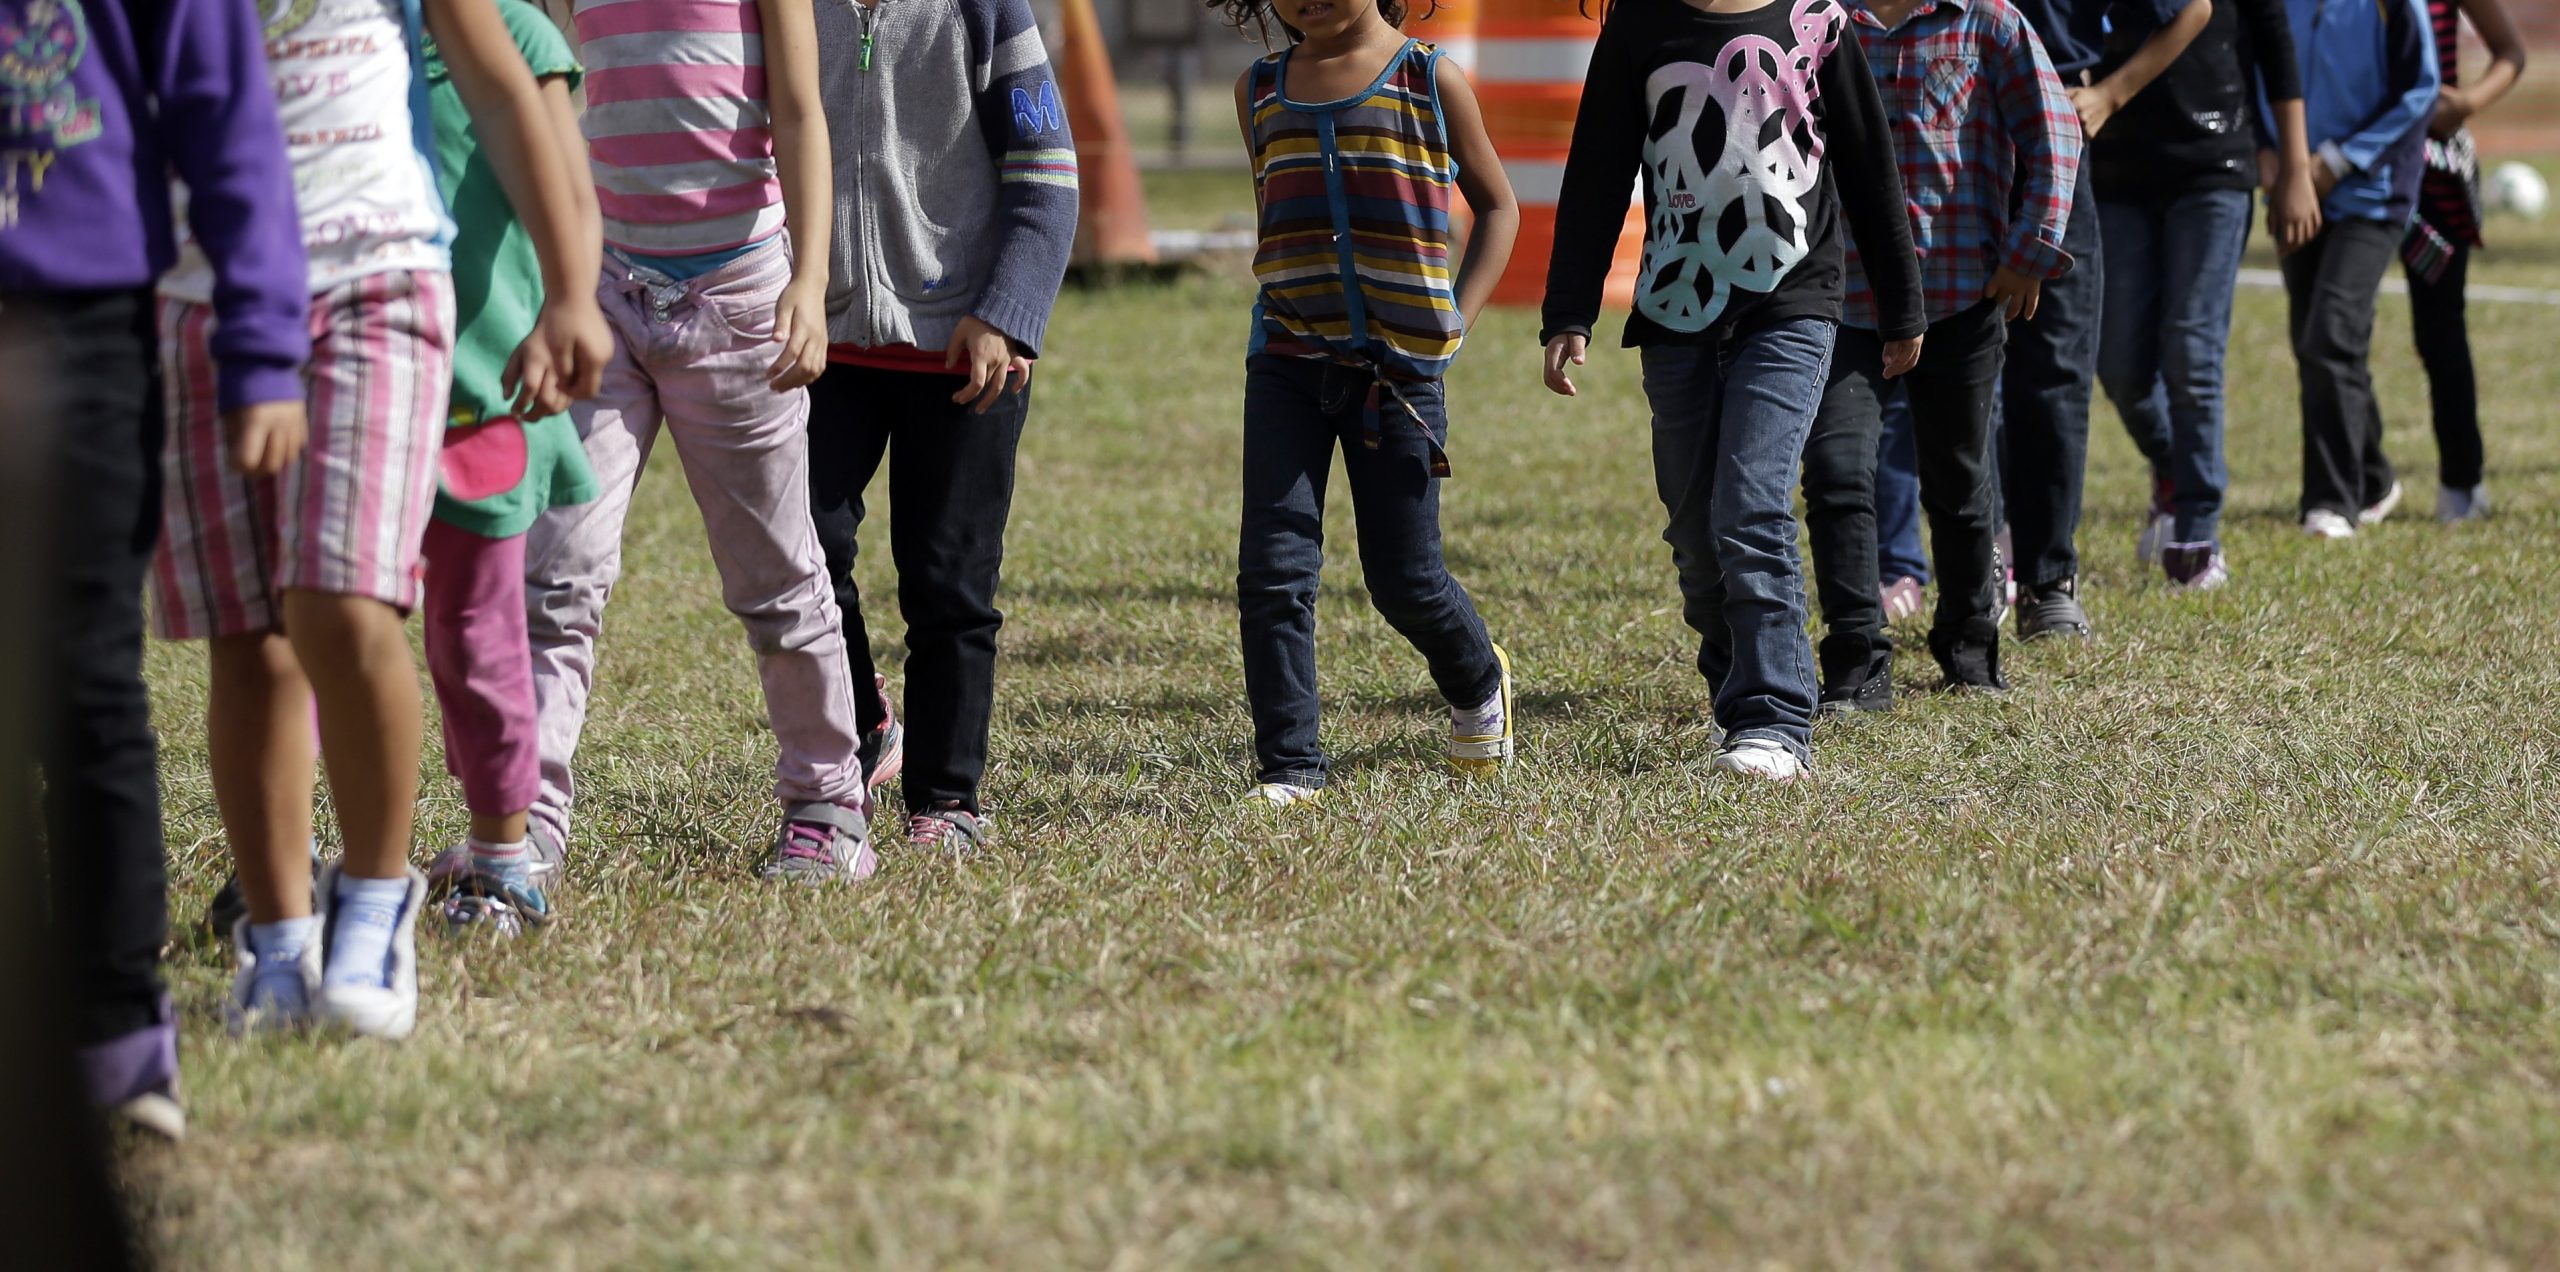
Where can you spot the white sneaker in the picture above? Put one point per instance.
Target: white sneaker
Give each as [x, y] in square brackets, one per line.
[248, 1010]
[2454, 505]
[2383, 507]
[374, 1011]
[1484, 754]
[2155, 537]
[1760, 758]
[2320, 523]
[1284, 795]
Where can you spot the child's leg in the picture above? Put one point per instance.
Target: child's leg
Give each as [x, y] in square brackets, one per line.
[1288, 457]
[950, 494]
[102, 417]
[1840, 513]
[212, 579]
[1953, 392]
[259, 748]
[2198, 269]
[746, 460]
[1772, 380]
[1397, 503]
[2444, 345]
[850, 419]
[573, 556]
[355, 652]
[1685, 389]
[1899, 552]
[2046, 390]
[2331, 283]
[483, 675]
[2129, 342]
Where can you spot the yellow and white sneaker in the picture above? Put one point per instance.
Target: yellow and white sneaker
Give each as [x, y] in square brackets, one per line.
[1285, 795]
[1480, 740]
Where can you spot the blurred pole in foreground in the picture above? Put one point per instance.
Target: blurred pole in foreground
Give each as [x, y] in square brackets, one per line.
[58, 1205]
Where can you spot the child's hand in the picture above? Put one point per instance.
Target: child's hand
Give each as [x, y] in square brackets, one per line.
[561, 361]
[263, 437]
[1900, 356]
[2016, 292]
[2096, 107]
[1566, 349]
[2293, 211]
[990, 361]
[800, 327]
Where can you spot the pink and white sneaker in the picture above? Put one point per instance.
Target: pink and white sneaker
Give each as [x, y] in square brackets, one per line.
[1904, 598]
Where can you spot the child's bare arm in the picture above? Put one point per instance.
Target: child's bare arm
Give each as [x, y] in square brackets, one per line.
[808, 199]
[2099, 102]
[2506, 66]
[1488, 191]
[545, 375]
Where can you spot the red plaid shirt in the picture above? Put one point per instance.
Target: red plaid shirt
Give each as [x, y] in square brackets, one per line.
[1989, 143]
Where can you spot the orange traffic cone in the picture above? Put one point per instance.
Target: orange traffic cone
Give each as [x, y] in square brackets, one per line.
[1531, 57]
[1111, 222]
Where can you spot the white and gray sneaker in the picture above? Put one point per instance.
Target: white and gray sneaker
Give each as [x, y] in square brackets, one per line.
[2455, 505]
[822, 843]
[270, 999]
[372, 1006]
[1762, 758]
[2383, 507]
[1284, 795]
[2320, 523]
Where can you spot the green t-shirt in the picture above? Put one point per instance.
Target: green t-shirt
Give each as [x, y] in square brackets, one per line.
[499, 474]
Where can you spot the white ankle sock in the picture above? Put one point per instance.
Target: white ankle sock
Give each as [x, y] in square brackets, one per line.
[367, 911]
[1482, 722]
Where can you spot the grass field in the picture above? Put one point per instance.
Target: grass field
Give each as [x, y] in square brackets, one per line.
[2228, 940]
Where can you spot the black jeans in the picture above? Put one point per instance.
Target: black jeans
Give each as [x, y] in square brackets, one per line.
[2331, 283]
[950, 493]
[1295, 412]
[101, 765]
[2444, 345]
[2053, 368]
[1951, 393]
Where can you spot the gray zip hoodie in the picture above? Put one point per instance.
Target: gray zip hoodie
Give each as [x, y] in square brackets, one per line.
[955, 176]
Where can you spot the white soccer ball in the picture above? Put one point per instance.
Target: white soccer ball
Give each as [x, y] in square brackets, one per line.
[2516, 188]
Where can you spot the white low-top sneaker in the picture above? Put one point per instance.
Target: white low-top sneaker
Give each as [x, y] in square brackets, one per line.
[2383, 507]
[2320, 523]
[1284, 795]
[387, 1010]
[1760, 758]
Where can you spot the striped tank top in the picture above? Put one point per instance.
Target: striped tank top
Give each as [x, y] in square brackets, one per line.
[677, 127]
[1354, 256]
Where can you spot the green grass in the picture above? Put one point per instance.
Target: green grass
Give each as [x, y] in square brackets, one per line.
[2228, 940]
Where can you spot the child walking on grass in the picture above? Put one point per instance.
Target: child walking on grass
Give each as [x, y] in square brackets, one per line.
[509, 454]
[84, 233]
[951, 144]
[1357, 135]
[1988, 161]
[1758, 132]
[706, 138]
[298, 558]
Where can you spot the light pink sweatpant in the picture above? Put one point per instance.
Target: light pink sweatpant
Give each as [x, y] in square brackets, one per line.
[478, 659]
[696, 354]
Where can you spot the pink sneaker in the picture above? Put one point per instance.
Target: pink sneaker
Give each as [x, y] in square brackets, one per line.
[1904, 598]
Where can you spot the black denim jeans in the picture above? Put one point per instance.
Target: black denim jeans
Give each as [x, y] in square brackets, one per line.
[2331, 283]
[101, 765]
[1951, 393]
[1296, 412]
[2444, 345]
[2045, 390]
[950, 494]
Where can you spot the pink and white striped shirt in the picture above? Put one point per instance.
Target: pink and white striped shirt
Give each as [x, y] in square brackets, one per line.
[677, 126]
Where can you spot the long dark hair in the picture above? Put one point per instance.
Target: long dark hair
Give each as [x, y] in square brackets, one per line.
[1256, 16]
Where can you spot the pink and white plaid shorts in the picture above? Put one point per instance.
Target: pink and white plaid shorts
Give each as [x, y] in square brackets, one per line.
[349, 516]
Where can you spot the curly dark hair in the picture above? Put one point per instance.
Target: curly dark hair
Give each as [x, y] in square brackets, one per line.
[1256, 16]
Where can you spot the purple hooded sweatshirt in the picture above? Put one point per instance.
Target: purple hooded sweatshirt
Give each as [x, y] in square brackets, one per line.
[101, 102]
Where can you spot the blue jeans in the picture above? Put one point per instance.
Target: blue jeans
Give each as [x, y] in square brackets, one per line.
[2171, 267]
[1899, 552]
[1729, 425]
[2044, 409]
[1295, 411]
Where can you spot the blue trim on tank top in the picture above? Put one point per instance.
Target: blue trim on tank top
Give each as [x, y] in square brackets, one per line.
[689, 266]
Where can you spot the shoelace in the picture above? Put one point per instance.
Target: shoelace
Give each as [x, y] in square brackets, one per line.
[928, 830]
[804, 842]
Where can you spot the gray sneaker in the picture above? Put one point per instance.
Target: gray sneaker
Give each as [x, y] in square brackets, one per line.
[2052, 610]
[820, 844]
[949, 828]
